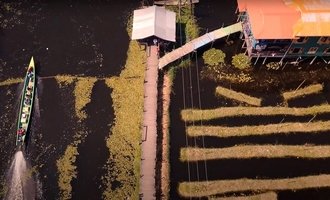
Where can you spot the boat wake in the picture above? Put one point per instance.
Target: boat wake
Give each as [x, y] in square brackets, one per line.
[20, 183]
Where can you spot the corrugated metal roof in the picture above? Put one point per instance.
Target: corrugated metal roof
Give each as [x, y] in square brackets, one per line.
[315, 17]
[154, 21]
[287, 19]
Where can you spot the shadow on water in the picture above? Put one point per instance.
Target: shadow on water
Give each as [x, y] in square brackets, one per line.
[212, 14]
[265, 168]
[320, 138]
[93, 152]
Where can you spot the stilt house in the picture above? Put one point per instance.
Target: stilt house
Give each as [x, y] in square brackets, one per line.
[286, 28]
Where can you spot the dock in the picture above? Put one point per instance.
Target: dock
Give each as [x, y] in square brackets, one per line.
[197, 43]
[149, 133]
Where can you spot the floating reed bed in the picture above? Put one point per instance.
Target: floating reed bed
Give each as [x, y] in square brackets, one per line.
[290, 127]
[255, 151]
[238, 96]
[312, 89]
[190, 115]
[208, 188]
[262, 196]
[11, 81]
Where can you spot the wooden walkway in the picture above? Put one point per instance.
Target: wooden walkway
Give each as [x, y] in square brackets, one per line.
[198, 42]
[149, 135]
[175, 2]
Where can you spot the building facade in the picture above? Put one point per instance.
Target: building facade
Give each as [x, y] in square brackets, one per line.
[285, 28]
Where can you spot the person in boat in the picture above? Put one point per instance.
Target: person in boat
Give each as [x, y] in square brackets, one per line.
[27, 101]
[21, 131]
[30, 72]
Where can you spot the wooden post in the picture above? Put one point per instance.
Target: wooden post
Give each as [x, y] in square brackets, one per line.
[257, 59]
[312, 60]
[286, 52]
[264, 60]
[243, 45]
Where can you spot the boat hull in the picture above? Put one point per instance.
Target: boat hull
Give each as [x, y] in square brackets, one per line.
[26, 105]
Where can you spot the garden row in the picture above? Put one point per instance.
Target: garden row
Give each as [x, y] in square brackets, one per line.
[265, 188]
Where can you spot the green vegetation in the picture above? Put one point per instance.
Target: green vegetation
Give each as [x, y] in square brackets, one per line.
[254, 151]
[207, 188]
[66, 164]
[65, 80]
[273, 66]
[188, 19]
[214, 57]
[67, 171]
[262, 196]
[82, 94]
[124, 163]
[312, 89]
[290, 127]
[82, 91]
[241, 61]
[11, 81]
[3, 189]
[238, 96]
[197, 115]
[165, 166]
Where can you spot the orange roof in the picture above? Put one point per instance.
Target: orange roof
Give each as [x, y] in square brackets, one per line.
[287, 19]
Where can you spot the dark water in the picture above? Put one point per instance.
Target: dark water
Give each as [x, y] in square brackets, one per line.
[211, 15]
[65, 37]
[84, 38]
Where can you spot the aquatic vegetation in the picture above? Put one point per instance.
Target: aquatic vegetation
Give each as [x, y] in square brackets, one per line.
[165, 163]
[123, 175]
[67, 171]
[311, 89]
[282, 128]
[191, 30]
[261, 196]
[241, 61]
[3, 189]
[11, 81]
[273, 66]
[66, 164]
[65, 80]
[207, 188]
[82, 91]
[214, 57]
[82, 94]
[208, 114]
[254, 151]
[238, 96]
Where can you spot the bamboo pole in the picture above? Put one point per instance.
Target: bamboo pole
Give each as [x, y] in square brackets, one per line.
[207, 188]
[290, 127]
[254, 151]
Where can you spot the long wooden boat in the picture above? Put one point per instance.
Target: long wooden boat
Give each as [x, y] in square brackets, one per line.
[26, 105]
